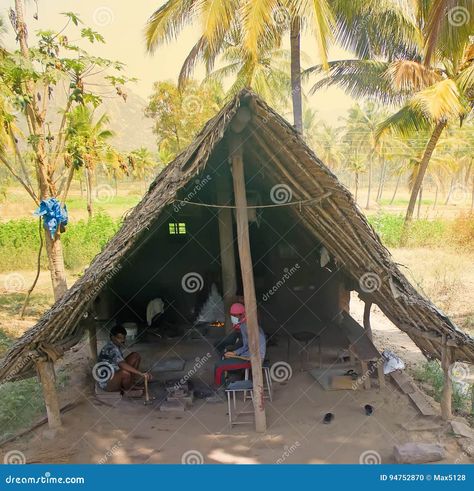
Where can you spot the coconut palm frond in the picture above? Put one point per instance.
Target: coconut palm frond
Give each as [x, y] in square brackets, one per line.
[440, 101]
[448, 26]
[217, 18]
[404, 123]
[358, 78]
[320, 20]
[257, 23]
[167, 22]
[408, 75]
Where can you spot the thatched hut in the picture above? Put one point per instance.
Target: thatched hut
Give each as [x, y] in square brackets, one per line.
[247, 176]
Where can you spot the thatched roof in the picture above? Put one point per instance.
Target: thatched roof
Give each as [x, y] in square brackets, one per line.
[336, 222]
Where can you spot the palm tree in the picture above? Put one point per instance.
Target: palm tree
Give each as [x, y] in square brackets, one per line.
[327, 146]
[433, 77]
[356, 24]
[87, 145]
[362, 124]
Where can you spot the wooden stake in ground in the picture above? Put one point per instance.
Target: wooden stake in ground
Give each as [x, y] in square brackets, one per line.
[226, 243]
[46, 377]
[236, 156]
[446, 396]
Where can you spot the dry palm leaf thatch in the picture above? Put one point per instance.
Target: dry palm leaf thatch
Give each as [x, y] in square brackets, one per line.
[336, 222]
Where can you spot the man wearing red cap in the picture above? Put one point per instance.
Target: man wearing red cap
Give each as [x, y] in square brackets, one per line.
[239, 358]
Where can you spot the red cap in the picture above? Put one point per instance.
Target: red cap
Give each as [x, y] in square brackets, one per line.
[237, 309]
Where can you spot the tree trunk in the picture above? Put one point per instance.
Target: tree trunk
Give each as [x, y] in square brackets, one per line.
[44, 170]
[436, 197]
[420, 197]
[450, 192]
[367, 205]
[396, 189]
[468, 173]
[356, 185]
[422, 171]
[295, 41]
[381, 181]
[89, 192]
[54, 250]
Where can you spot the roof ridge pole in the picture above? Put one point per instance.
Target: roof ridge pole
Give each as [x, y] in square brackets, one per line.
[237, 162]
[46, 376]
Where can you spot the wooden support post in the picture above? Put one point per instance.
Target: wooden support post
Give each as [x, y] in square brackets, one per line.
[446, 396]
[367, 326]
[46, 376]
[236, 157]
[365, 374]
[92, 331]
[344, 294]
[226, 243]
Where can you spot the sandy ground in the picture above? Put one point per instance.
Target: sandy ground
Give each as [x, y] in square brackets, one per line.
[130, 432]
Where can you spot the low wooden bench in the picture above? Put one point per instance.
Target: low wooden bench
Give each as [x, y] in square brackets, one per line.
[362, 348]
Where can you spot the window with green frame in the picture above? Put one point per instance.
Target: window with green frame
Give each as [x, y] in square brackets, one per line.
[177, 228]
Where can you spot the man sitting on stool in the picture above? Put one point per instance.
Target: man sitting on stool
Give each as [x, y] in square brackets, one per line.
[126, 370]
[239, 358]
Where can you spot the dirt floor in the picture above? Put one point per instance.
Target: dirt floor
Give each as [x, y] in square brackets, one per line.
[129, 432]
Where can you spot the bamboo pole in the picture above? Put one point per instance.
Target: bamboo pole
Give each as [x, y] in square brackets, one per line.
[236, 157]
[46, 376]
[226, 245]
[367, 326]
[446, 396]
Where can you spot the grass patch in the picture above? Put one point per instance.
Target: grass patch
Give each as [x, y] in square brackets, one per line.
[431, 374]
[12, 303]
[19, 242]
[22, 403]
[421, 233]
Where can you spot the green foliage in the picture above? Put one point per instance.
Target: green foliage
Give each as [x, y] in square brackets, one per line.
[22, 403]
[19, 242]
[432, 374]
[420, 233]
[179, 114]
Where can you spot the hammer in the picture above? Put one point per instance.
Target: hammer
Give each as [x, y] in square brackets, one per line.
[147, 395]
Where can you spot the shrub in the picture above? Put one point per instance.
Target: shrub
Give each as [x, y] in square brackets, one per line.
[19, 242]
[431, 373]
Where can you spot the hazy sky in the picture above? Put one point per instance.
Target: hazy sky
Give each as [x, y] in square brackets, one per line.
[121, 22]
